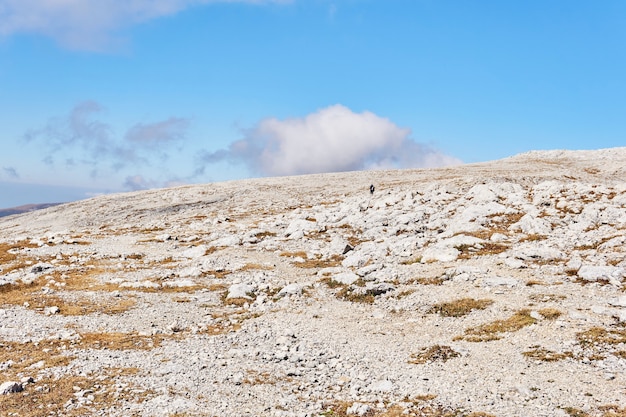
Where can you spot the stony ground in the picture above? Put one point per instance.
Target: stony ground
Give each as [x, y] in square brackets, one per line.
[492, 289]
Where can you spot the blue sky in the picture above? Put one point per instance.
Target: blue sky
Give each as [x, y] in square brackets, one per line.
[112, 95]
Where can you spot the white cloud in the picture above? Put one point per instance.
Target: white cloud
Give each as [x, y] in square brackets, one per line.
[158, 133]
[329, 140]
[89, 24]
[138, 182]
[11, 172]
[81, 140]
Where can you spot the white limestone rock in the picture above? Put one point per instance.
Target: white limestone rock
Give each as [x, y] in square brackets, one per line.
[164, 237]
[538, 252]
[532, 225]
[10, 387]
[481, 193]
[574, 264]
[514, 263]
[41, 267]
[358, 409]
[356, 259]
[381, 275]
[619, 301]
[440, 254]
[382, 386]
[194, 252]
[621, 316]
[379, 288]
[498, 237]
[48, 311]
[140, 284]
[291, 289]
[337, 246]
[368, 269]
[178, 283]
[404, 246]
[347, 278]
[465, 273]
[227, 241]
[593, 273]
[240, 291]
[190, 272]
[300, 226]
[470, 219]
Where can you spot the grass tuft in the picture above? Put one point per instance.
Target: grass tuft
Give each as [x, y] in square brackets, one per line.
[493, 331]
[460, 307]
[542, 354]
[432, 354]
[550, 313]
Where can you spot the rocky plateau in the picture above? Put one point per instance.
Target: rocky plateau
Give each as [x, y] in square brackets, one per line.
[492, 289]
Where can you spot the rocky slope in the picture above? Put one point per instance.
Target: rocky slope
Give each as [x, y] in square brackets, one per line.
[492, 289]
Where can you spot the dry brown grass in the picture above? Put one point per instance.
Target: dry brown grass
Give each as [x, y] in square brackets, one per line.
[353, 293]
[404, 293]
[416, 408]
[11, 257]
[432, 354]
[263, 235]
[256, 267]
[297, 254]
[482, 249]
[218, 273]
[356, 295]
[227, 322]
[546, 298]
[493, 331]
[542, 354]
[596, 244]
[49, 396]
[612, 411]
[533, 238]
[319, 263]
[34, 297]
[85, 306]
[430, 280]
[121, 341]
[460, 307]
[352, 234]
[331, 283]
[257, 378]
[500, 223]
[237, 301]
[412, 261]
[599, 337]
[23, 355]
[550, 313]
[575, 412]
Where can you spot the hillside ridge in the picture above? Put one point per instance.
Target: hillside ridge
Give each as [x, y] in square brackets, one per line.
[489, 289]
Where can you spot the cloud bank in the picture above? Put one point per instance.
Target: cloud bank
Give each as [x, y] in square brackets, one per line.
[11, 172]
[332, 139]
[90, 24]
[81, 140]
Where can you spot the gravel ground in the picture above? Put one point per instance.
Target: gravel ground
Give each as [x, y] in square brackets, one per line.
[492, 289]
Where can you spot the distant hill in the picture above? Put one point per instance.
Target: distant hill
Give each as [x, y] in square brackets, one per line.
[25, 209]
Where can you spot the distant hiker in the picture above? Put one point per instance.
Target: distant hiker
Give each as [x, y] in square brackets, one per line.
[372, 189]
